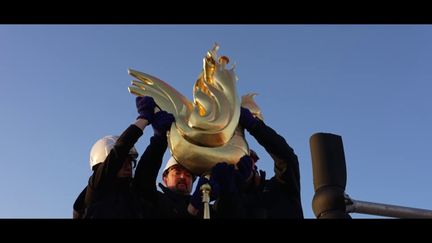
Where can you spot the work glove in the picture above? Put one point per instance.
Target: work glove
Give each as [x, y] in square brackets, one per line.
[145, 106]
[162, 122]
[247, 120]
[245, 168]
[224, 175]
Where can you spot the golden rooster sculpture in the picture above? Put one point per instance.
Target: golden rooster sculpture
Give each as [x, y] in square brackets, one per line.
[206, 130]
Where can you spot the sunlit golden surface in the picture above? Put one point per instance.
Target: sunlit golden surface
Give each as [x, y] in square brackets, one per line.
[206, 130]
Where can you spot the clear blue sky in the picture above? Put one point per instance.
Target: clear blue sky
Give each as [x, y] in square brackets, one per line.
[62, 87]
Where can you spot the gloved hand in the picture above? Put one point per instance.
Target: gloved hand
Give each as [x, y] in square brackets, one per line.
[224, 175]
[245, 168]
[145, 106]
[247, 120]
[162, 122]
[196, 198]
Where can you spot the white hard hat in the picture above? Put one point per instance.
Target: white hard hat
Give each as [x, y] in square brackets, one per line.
[102, 148]
[170, 163]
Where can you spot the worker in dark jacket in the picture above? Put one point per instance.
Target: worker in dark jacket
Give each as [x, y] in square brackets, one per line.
[111, 191]
[169, 203]
[175, 200]
[278, 197]
[228, 202]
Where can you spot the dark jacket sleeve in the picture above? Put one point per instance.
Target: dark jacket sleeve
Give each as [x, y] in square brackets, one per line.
[79, 205]
[149, 165]
[286, 165]
[105, 174]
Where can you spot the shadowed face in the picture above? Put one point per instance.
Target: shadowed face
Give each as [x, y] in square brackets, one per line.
[178, 179]
[126, 169]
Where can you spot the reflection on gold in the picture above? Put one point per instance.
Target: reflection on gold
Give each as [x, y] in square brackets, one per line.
[206, 130]
[248, 102]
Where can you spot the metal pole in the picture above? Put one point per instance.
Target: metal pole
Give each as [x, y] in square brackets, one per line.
[206, 199]
[329, 175]
[206, 189]
[356, 206]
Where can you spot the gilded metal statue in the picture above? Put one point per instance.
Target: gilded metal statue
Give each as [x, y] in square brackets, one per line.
[206, 130]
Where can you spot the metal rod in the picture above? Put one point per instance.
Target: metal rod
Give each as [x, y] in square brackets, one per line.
[206, 210]
[355, 206]
[205, 189]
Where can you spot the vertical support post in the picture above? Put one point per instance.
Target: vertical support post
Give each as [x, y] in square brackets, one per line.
[206, 189]
[329, 176]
